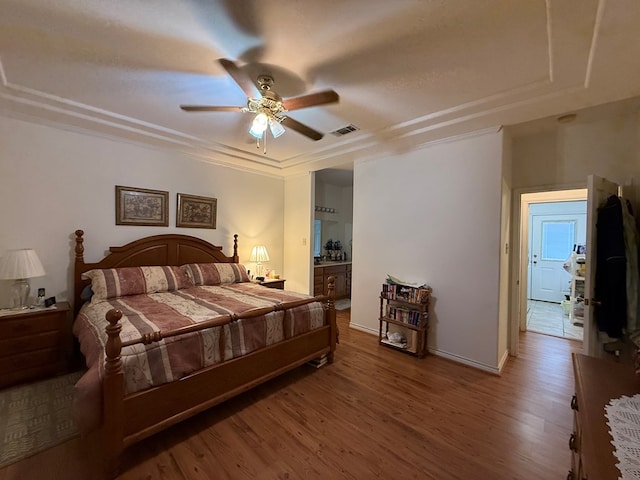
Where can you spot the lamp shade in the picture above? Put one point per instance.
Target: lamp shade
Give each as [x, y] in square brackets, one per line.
[259, 254]
[18, 264]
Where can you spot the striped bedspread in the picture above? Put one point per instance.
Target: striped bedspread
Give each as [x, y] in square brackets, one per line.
[173, 358]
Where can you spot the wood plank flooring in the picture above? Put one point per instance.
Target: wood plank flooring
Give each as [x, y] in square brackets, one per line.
[374, 413]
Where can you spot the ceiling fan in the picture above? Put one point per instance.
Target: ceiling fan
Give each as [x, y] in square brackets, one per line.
[269, 107]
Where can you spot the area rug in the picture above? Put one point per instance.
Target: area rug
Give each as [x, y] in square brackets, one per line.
[343, 304]
[35, 417]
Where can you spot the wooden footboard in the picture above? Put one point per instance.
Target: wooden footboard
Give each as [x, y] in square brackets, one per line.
[128, 419]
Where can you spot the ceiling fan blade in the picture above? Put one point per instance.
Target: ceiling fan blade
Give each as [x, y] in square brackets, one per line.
[206, 108]
[243, 81]
[301, 128]
[303, 101]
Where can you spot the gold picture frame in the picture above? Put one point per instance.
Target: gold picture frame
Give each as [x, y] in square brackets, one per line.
[141, 206]
[195, 211]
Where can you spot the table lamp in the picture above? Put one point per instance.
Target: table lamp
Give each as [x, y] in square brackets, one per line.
[21, 265]
[258, 255]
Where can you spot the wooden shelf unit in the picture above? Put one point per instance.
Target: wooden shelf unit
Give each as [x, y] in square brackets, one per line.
[408, 315]
[576, 295]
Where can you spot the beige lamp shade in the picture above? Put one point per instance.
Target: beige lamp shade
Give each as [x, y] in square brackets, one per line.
[258, 255]
[23, 263]
[20, 266]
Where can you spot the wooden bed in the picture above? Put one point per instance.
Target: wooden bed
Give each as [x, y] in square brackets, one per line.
[129, 418]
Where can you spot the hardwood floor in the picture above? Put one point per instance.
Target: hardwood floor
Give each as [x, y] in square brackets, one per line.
[373, 413]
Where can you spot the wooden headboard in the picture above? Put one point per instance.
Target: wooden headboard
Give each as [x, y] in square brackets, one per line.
[170, 249]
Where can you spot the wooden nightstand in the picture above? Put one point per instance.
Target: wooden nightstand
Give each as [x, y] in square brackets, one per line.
[273, 283]
[35, 344]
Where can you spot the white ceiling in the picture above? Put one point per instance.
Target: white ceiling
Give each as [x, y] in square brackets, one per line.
[407, 71]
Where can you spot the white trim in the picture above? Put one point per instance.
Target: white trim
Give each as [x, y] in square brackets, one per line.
[364, 329]
[461, 136]
[447, 355]
[518, 290]
[503, 362]
[465, 361]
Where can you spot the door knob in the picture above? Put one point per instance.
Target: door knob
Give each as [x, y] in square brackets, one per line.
[593, 303]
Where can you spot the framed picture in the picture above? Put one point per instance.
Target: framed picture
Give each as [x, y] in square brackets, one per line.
[196, 212]
[140, 206]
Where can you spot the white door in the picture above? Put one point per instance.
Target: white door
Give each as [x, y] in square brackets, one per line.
[552, 241]
[598, 190]
[555, 227]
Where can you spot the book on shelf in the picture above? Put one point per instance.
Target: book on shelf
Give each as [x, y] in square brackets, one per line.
[406, 315]
[403, 292]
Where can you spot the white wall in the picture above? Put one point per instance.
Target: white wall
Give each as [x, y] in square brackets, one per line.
[298, 233]
[608, 148]
[434, 215]
[53, 182]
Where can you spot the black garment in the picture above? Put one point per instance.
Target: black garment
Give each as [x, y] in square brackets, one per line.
[611, 269]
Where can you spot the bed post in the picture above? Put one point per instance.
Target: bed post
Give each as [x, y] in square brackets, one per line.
[113, 395]
[236, 259]
[77, 285]
[331, 316]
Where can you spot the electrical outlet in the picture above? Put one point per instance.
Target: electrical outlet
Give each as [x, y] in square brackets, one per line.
[304, 241]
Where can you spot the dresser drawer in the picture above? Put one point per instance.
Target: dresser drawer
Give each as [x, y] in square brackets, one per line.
[38, 341]
[32, 324]
[335, 269]
[37, 358]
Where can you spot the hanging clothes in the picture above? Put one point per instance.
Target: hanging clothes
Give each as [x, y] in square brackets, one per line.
[631, 243]
[611, 269]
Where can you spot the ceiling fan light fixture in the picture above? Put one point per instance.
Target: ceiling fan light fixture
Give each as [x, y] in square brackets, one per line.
[267, 106]
[276, 128]
[259, 125]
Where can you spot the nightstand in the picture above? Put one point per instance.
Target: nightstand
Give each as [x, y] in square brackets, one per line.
[273, 283]
[35, 344]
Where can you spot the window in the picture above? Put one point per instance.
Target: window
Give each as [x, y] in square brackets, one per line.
[558, 239]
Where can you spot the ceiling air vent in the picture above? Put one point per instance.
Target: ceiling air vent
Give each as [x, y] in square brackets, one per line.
[344, 130]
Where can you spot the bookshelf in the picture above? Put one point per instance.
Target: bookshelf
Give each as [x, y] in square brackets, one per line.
[404, 318]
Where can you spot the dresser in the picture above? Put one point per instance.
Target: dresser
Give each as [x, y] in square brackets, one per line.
[597, 381]
[35, 344]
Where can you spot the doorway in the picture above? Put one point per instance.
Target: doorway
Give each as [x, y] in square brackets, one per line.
[551, 224]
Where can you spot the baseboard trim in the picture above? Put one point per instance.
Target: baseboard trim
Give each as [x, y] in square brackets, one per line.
[364, 329]
[503, 361]
[466, 361]
[449, 356]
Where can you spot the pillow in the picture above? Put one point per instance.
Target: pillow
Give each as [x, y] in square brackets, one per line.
[216, 273]
[119, 282]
